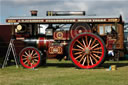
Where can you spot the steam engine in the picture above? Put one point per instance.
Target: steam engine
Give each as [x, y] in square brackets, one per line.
[86, 40]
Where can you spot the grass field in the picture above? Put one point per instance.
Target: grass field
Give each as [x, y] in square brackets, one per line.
[64, 73]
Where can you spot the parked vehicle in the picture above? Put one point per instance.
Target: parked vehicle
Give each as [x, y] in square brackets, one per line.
[85, 40]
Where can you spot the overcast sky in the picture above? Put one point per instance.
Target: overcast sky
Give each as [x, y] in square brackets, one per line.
[98, 7]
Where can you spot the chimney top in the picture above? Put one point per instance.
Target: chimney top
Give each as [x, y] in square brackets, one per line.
[34, 12]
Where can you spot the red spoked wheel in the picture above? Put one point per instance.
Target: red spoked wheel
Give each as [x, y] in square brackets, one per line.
[78, 28]
[30, 57]
[87, 50]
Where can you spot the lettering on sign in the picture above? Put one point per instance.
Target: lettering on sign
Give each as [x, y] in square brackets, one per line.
[30, 20]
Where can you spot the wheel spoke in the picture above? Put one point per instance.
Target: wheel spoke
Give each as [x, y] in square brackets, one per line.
[80, 43]
[33, 62]
[84, 61]
[97, 52]
[28, 64]
[32, 52]
[29, 52]
[88, 60]
[90, 42]
[79, 47]
[25, 62]
[93, 42]
[78, 53]
[94, 58]
[24, 59]
[76, 49]
[26, 53]
[82, 58]
[86, 40]
[91, 60]
[36, 60]
[35, 56]
[95, 46]
[78, 57]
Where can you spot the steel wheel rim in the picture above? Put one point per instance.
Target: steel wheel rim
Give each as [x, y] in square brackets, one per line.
[30, 58]
[87, 55]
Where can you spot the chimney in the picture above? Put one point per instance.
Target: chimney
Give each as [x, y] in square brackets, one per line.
[34, 12]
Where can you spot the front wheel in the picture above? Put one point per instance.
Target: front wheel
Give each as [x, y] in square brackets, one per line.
[30, 57]
[87, 51]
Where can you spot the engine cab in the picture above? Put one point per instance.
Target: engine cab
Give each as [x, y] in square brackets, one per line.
[126, 37]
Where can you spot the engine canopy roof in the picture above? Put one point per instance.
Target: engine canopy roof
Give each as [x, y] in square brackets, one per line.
[63, 19]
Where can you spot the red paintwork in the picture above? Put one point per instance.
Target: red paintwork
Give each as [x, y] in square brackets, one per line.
[58, 48]
[110, 43]
[43, 42]
[61, 35]
[20, 35]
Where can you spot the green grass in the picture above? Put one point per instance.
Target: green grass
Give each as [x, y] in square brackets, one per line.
[64, 73]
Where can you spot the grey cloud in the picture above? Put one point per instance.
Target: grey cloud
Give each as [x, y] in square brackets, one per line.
[98, 7]
[109, 8]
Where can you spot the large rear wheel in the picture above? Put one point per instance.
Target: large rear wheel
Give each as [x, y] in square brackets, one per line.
[87, 50]
[30, 57]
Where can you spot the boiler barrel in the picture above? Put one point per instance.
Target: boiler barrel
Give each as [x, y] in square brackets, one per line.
[40, 42]
[65, 13]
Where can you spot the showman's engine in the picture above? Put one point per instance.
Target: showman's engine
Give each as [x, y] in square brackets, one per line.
[71, 35]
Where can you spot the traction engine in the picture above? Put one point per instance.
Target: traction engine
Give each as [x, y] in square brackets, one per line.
[85, 40]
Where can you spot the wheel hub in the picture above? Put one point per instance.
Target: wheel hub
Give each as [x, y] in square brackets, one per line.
[80, 31]
[29, 57]
[87, 50]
